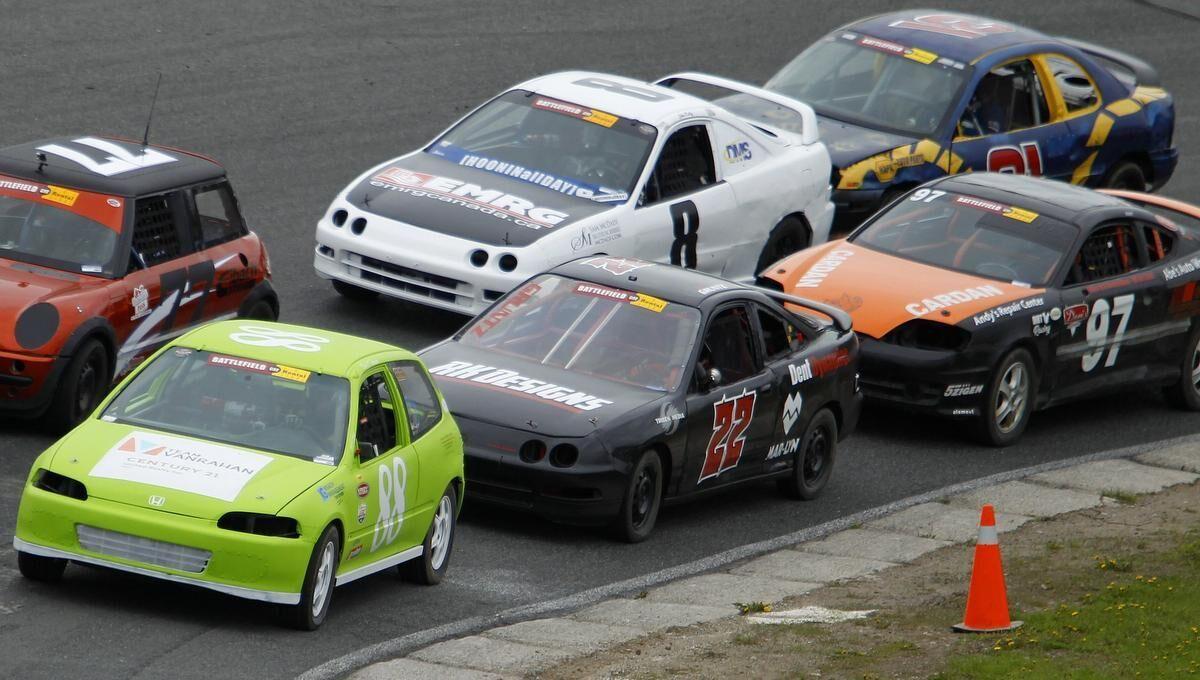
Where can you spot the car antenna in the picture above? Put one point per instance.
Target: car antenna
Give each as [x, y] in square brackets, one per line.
[41, 159]
[506, 241]
[367, 198]
[150, 117]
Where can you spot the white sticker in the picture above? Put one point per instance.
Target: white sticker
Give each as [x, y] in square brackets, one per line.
[119, 160]
[263, 336]
[182, 464]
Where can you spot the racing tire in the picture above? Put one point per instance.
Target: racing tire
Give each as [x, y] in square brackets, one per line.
[1126, 175]
[812, 464]
[261, 311]
[39, 568]
[790, 235]
[317, 594]
[81, 386]
[1009, 399]
[430, 568]
[353, 292]
[642, 500]
[1185, 393]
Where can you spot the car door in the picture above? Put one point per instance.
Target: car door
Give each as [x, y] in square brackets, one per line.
[783, 345]
[731, 418]
[685, 211]
[388, 473]
[1111, 306]
[423, 411]
[1008, 125]
[217, 234]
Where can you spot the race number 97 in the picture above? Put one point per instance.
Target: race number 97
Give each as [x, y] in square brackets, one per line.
[1098, 327]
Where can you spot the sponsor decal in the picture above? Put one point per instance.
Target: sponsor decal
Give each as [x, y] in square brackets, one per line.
[920, 56]
[13, 185]
[791, 411]
[648, 302]
[364, 490]
[563, 185]
[117, 159]
[140, 300]
[636, 299]
[505, 310]
[181, 464]
[60, 195]
[393, 482]
[846, 302]
[1055, 314]
[830, 362]
[956, 25]
[1006, 310]
[731, 418]
[156, 501]
[708, 290]
[323, 460]
[1075, 314]
[951, 298]
[738, 152]
[964, 412]
[962, 390]
[493, 202]
[1019, 214]
[593, 235]
[331, 490]
[263, 336]
[1181, 269]
[823, 267]
[468, 372]
[113, 203]
[362, 513]
[253, 366]
[1039, 331]
[355, 551]
[581, 112]
[616, 265]
[799, 374]
[784, 448]
[669, 417]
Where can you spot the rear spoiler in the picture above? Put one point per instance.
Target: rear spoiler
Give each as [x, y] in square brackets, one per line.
[841, 320]
[808, 127]
[1144, 73]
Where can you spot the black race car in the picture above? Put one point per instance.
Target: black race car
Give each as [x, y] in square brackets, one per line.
[593, 392]
[985, 296]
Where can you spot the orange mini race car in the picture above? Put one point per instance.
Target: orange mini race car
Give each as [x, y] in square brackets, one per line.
[109, 248]
[986, 296]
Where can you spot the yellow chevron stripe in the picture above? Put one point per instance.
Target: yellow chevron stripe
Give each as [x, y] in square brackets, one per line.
[1100, 130]
[1123, 107]
[1084, 170]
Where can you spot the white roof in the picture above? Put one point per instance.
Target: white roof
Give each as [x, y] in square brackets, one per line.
[565, 86]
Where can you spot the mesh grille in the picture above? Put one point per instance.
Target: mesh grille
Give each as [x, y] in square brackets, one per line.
[145, 550]
[154, 234]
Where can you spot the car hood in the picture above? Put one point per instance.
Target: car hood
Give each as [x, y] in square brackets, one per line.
[516, 393]
[179, 474]
[473, 204]
[882, 291]
[24, 285]
[849, 143]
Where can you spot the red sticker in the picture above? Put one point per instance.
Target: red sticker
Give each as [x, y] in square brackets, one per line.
[363, 490]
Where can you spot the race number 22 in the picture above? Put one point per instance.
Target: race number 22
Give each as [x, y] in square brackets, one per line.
[731, 417]
[685, 220]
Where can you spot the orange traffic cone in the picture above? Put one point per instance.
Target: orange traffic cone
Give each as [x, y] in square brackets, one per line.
[987, 601]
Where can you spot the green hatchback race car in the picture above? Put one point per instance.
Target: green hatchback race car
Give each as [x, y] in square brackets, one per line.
[263, 460]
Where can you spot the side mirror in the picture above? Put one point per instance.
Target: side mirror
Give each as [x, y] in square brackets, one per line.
[710, 379]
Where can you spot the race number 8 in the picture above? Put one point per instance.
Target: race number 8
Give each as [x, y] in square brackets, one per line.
[1098, 326]
[685, 219]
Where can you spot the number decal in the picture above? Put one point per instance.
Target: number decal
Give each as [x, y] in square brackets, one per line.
[188, 284]
[1097, 330]
[262, 336]
[393, 482]
[953, 24]
[731, 417]
[686, 221]
[118, 161]
[627, 90]
[926, 195]
[1026, 160]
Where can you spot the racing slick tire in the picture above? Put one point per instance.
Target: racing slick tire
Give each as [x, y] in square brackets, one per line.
[261, 311]
[353, 292]
[812, 463]
[39, 568]
[430, 568]
[790, 235]
[81, 386]
[1126, 175]
[642, 501]
[1185, 394]
[317, 593]
[1009, 399]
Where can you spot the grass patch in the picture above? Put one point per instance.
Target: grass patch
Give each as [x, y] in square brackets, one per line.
[1122, 497]
[755, 607]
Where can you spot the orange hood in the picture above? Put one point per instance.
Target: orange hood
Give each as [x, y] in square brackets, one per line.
[882, 291]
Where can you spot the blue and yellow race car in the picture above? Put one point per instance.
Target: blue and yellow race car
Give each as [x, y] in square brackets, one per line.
[906, 97]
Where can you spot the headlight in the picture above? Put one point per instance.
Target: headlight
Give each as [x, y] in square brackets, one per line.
[925, 334]
[59, 484]
[263, 525]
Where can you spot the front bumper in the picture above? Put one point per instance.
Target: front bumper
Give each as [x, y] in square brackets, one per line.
[249, 566]
[945, 383]
[27, 391]
[1162, 164]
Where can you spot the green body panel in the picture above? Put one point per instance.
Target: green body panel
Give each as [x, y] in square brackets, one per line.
[361, 498]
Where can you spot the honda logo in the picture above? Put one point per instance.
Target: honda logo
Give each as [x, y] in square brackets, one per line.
[157, 501]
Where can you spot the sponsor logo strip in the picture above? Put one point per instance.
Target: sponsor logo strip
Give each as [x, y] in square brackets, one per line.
[471, 196]
[1011, 212]
[581, 112]
[563, 185]
[520, 385]
[181, 464]
[253, 366]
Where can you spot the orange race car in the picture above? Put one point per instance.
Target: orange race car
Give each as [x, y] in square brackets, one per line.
[986, 296]
[109, 248]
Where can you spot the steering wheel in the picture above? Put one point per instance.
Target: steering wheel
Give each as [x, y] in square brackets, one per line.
[599, 169]
[1005, 270]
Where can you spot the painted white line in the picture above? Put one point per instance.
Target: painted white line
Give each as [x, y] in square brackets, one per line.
[402, 645]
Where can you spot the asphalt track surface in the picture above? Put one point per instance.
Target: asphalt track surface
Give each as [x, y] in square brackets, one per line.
[295, 99]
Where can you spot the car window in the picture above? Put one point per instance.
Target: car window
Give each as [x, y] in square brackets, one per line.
[684, 165]
[155, 230]
[729, 346]
[780, 337]
[421, 402]
[1078, 90]
[376, 418]
[1008, 98]
[1109, 251]
[1158, 242]
[59, 227]
[217, 215]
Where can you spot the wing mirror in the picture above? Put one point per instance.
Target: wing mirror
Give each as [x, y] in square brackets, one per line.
[366, 451]
[710, 379]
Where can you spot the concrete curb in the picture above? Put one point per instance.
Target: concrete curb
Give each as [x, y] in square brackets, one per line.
[920, 523]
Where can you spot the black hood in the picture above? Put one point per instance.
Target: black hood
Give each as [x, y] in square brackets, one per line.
[436, 194]
[510, 392]
[849, 143]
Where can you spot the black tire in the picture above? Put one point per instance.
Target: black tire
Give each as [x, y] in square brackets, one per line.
[261, 311]
[790, 235]
[1008, 400]
[813, 461]
[642, 500]
[1126, 175]
[38, 568]
[319, 581]
[85, 381]
[353, 292]
[430, 568]
[1185, 393]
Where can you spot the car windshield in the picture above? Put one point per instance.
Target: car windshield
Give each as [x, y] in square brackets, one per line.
[57, 227]
[971, 235]
[565, 147]
[239, 401]
[587, 328]
[874, 83]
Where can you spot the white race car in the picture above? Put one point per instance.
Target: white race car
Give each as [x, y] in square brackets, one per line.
[575, 164]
